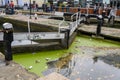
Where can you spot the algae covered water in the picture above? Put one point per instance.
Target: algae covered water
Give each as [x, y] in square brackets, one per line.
[89, 61]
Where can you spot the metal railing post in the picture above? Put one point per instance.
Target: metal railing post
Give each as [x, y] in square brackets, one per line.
[60, 24]
[29, 26]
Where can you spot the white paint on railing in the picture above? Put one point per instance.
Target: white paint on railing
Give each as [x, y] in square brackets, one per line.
[28, 26]
[41, 35]
[60, 25]
[75, 24]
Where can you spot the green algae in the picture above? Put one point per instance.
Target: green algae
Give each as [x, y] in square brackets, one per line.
[95, 42]
[29, 59]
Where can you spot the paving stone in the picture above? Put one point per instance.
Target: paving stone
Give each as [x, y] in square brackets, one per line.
[53, 76]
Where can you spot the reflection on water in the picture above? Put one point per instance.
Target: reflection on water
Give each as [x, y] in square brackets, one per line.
[84, 67]
[61, 62]
[111, 59]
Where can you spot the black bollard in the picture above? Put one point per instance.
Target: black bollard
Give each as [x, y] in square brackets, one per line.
[8, 38]
[65, 41]
[68, 37]
[100, 23]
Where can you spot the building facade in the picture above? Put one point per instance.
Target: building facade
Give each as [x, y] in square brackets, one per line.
[115, 3]
[21, 2]
[81, 2]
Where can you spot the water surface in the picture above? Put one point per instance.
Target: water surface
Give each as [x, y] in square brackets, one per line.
[83, 66]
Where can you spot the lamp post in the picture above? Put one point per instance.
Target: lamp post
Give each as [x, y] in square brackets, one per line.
[30, 8]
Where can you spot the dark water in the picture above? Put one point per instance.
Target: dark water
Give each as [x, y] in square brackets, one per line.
[85, 67]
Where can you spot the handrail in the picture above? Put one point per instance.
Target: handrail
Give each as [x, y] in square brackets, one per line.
[60, 24]
[29, 31]
[73, 15]
[73, 25]
[79, 14]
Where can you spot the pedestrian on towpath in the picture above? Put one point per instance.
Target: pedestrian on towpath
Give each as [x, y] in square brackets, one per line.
[112, 15]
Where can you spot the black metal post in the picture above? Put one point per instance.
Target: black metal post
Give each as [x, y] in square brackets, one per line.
[30, 9]
[100, 23]
[68, 33]
[8, 38]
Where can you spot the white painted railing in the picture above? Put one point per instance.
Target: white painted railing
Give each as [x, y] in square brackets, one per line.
[60, 25]
[52, 35]
[75, 23]
[42, 35]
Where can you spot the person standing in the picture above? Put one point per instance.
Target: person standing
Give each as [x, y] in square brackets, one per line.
[36, 6]
[67, 7]
[108, 10]
[12, 7]
[105, 6]
[112, 15]
[98, 8]
[95, 9]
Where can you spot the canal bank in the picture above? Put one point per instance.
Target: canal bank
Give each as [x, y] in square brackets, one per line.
[106, 32]
[14, 71]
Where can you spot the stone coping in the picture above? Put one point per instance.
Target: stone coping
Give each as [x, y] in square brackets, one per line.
[53, 76]
[106, 31]
[51, 22]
